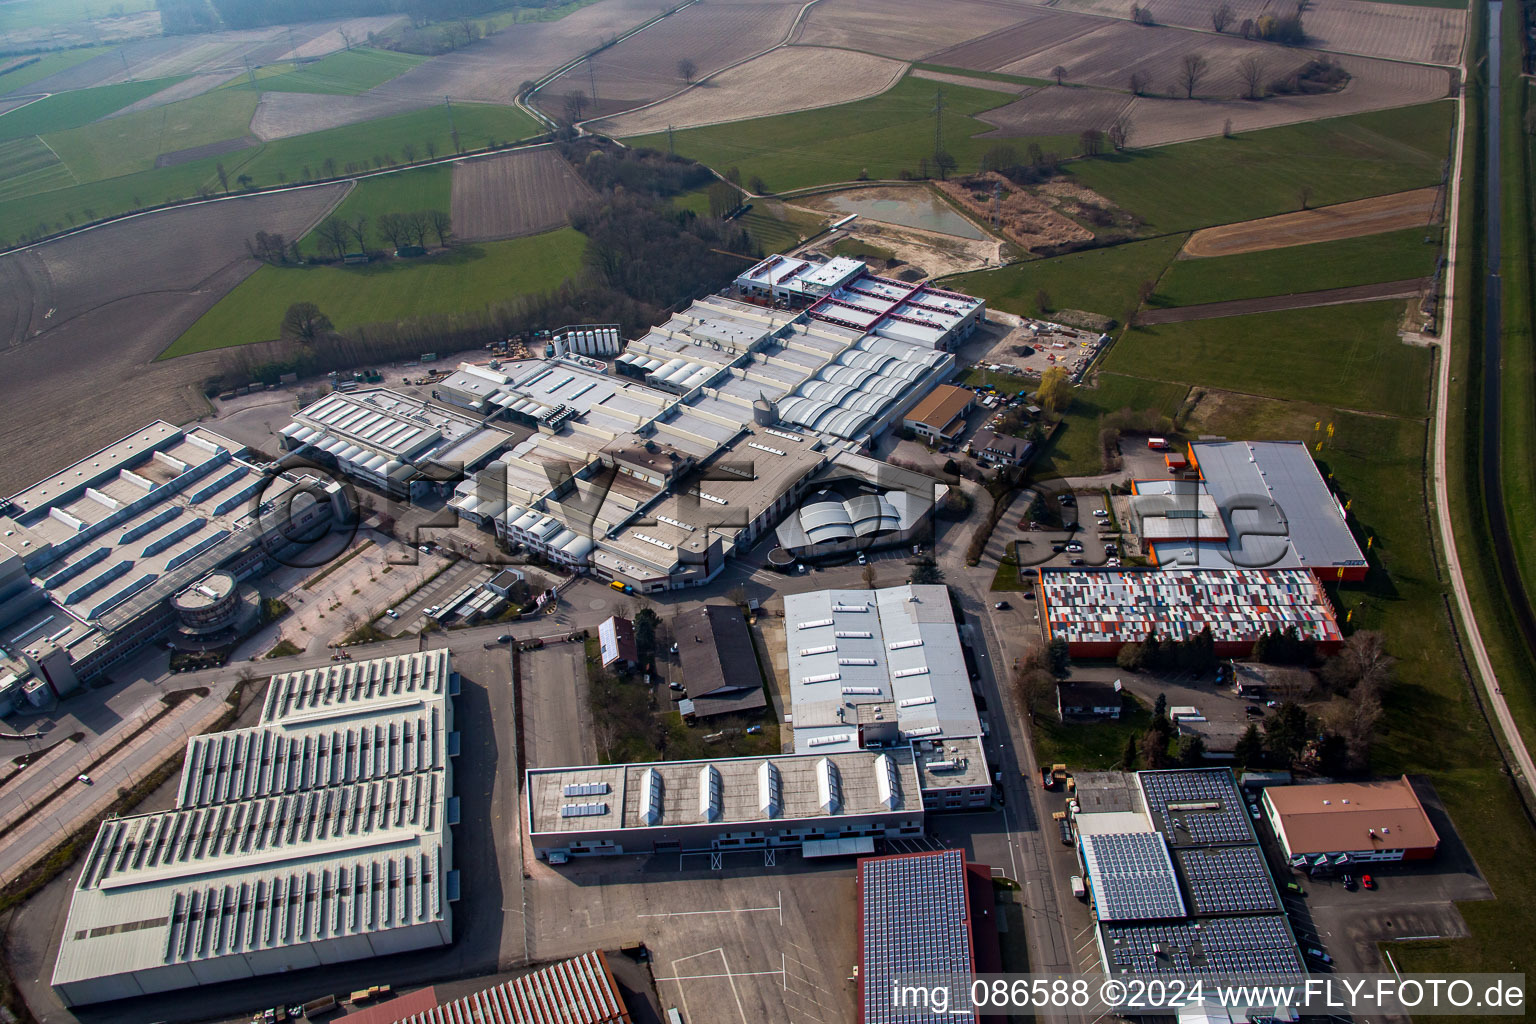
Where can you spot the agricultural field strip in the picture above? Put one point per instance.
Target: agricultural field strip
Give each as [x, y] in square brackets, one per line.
[513, 194]
[1371, 216]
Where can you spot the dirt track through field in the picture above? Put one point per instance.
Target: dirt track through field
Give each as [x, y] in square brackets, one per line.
[83, 318]
[512, 194]
[1274, 303]
[1327, 224]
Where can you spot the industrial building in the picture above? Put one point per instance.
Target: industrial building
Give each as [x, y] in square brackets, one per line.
[1177, 878]
[855, 503]
[892, 650]
[724, 804]
[719, 663]
[1254, 505]
[941, 415]
[320, 835]
[401, 446]
[922, 916]
[576, 991]
[92, 557]
[1097, 611]
[1335, 825]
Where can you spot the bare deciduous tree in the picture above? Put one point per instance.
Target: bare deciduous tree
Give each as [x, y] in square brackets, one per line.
[334, 234]
[1120, 131]
[441, 223]
[1058, 72]
[1251, 71]
[686, 69]
[1191, 70]
[1140, 81]
[1304, 195]
[575, 105]
[1092, 141]
[1221, 17]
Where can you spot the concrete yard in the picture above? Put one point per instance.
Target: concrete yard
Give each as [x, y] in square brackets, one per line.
[552, 701]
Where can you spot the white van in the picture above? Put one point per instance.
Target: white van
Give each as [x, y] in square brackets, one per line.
[1079, 890]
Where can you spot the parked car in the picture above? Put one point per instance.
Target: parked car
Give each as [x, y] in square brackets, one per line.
[392, 614]
[505, 638]
[1002, 606]
[85, 779]
[1111, 550]
[676, 686]
[1101, 513]
[1074, 546]
[1367, 881]
[862, 559]
[1077, 561]
[1318, 955]
[1292, 887]
[1068, 500]
[1254, 710]
[1349, 882]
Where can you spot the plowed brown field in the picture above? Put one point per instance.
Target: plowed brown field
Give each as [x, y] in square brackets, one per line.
[1329, 223]
[82, 320]
[511, 194]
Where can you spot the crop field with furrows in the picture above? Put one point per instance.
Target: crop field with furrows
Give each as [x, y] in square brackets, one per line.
[24, 70]
[1429, 34]
[1362, 217]
[1053, 110]
[904, 29]
[186, 89]
[493, 69]
[782, 81]
[512, 194]
[28, 166]
[119, 294]
[285, 115]
[70, 110]
[644, 67]
[1377, 85]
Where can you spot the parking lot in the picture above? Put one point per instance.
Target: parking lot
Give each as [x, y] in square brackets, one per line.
[1048, 345]
[1411, 902]
[556, 715]
[742, 945]
[412, 611]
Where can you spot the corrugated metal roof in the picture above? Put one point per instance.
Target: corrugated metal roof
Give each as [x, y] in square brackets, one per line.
[576, 991]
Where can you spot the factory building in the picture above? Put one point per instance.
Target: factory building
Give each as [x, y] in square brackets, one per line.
[1254, 505]
[894, 648]
[581, 990]
[733, 803]
[320, 835]
[719, 663]
[395, 444]
[923, 916]
[1333, 826]
[1177, 879]
[941, 415]
[92, 557]
[856, 503]
[1097, 611]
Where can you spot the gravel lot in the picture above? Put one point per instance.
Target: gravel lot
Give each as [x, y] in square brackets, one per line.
[518, 193]
[85, 317]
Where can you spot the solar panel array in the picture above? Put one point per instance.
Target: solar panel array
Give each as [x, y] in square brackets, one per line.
[914, 922]
[1223, 946]
[1196, 807]
[1133, 877]
[1228, 880]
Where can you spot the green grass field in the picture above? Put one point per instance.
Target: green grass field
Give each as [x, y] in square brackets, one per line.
[27, 165]
[1074, 451]
[879, 137]
[425, 188]
[1348, 356]
[72, 109]
[1104, 281]
[1393, 256]
[775, 227]
[20, 14]
[471, 277]
[346, 73]
[47, 64]
[1258, 174]
[132, 142]
[991, 76]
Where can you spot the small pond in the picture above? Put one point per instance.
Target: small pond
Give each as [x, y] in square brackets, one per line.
[921, 210]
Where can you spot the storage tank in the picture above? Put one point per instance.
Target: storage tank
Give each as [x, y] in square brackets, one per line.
[764, 413]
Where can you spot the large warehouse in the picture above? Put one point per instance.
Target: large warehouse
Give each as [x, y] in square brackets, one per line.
[1334, 825]
[1256, 505]
[895, 647]
[1097, 611]
[91, 556]
[319, 835]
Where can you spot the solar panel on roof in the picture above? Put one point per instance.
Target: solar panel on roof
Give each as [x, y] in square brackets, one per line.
[1132, 877]
[1228, 880]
